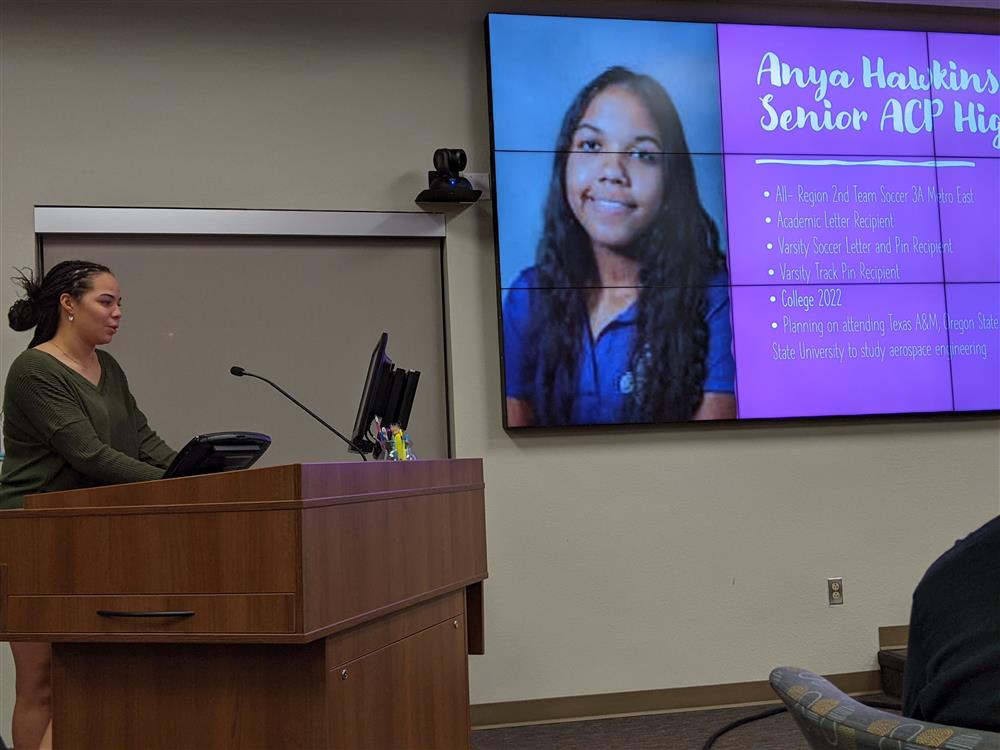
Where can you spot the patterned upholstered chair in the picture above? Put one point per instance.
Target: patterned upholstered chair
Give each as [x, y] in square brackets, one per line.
[830, 719]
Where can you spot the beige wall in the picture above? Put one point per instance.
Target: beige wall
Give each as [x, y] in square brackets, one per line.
[619, 560]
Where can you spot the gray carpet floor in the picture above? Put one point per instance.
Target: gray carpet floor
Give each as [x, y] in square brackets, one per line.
[688, 730]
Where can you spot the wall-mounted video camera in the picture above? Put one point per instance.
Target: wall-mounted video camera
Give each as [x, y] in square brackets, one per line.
[445, 183]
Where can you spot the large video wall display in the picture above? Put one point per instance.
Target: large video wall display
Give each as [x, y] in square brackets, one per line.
[717, 221]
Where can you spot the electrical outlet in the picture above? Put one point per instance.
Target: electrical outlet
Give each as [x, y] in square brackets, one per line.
[480, 181]
[835, 590]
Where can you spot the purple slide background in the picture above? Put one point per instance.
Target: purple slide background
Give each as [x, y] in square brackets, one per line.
[937, 231]
[970, 219]
[741, 49]
[976, 381]
[770, 387]
[828, 194]
[974, 52]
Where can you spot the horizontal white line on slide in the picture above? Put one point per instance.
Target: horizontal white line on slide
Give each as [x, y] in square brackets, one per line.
[867, 163]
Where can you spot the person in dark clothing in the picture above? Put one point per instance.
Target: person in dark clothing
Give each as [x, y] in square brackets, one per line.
[952, 673]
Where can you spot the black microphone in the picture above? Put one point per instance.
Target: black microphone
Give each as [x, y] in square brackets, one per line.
[240, 372]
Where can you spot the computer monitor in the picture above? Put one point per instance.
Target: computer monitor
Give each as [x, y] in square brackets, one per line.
[387, 395]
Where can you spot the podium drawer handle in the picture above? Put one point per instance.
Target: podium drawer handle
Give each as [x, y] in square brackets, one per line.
[169, 613]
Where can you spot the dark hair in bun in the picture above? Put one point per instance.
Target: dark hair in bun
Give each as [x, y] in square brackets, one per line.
[39, 309]
[23, 314]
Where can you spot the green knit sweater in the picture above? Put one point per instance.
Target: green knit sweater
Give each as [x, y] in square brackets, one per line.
[61, 432]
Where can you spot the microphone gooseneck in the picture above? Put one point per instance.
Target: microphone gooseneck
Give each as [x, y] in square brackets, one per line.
[240, 372]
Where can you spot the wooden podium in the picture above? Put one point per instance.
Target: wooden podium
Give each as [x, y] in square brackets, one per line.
[300, 606]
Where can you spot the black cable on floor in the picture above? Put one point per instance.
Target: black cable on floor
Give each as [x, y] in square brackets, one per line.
[710, 743]
[740, 722]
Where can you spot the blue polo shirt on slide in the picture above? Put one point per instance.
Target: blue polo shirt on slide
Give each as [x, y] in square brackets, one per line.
[605, 377]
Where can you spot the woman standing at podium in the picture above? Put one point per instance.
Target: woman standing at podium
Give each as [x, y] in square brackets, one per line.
[70, 421]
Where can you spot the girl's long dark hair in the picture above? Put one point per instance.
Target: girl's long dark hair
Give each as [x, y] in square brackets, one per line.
[39, 309]
[677, 255]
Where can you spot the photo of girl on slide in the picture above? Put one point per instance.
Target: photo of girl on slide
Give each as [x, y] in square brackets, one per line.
[624, 316]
